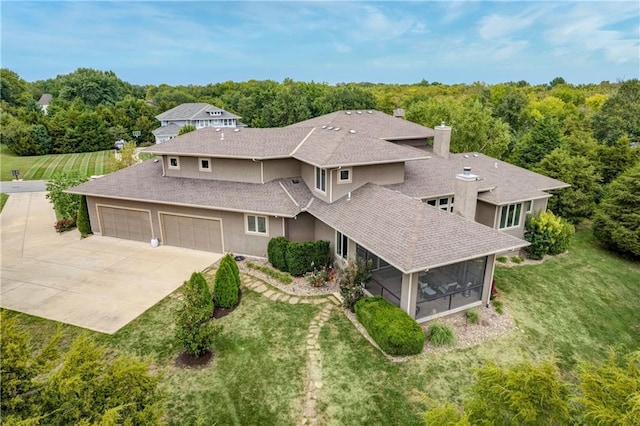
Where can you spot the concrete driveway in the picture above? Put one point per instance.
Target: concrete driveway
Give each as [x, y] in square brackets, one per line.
[99, 283]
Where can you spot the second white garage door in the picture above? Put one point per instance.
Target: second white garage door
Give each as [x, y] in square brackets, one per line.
[192, 232]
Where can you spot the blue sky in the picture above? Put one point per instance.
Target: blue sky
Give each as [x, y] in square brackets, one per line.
[198, 42]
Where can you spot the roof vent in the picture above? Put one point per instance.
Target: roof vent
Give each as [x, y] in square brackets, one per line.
[466, 156]
[358, 112]
[221, 136]
[348, 112]
[324, 127]
[442, 124]
[218, 129]
[352, 131]
[495, 164]
[370, 112]
[295, 181]
[466, 171]
[336, 129]
[236, 130]
[475, 155]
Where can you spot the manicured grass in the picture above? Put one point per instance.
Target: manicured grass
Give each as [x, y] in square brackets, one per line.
[46, 166]
[570, 307]
[3, 200]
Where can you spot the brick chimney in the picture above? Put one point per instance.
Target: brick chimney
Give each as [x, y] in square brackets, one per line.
[466, 194]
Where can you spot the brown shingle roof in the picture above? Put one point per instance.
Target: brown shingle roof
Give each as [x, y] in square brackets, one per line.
[144, 182]
[500, 182]
[370, 122]
[408, 233]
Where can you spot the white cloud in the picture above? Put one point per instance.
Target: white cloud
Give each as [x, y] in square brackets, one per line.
[496, 26]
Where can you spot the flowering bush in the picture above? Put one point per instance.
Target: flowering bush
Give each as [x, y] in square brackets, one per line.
[319, 276]
[64, 225]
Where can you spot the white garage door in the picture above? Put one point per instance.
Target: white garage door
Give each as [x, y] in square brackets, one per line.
[192, 232]
[125, 223]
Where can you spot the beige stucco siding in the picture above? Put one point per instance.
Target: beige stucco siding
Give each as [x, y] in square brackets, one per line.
[235, 237]
[486, 214]
[380, 174]
[302, 228]
[322, 231]
[277, 169]
[225, 169]
[308, 174]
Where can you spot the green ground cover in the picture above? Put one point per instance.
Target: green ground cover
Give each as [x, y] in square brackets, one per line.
[46, 166]
[3, 200]
[570, 307]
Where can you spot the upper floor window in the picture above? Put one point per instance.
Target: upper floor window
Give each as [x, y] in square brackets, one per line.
[204, 164]
[257, 224]
[342, 244]
[528, 207]
[445, 204]
[344, 175]
[321, 179]
[174, 163]
[510, 216]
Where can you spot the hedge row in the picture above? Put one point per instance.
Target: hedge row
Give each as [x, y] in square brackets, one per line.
[298, 258]
[392, 328]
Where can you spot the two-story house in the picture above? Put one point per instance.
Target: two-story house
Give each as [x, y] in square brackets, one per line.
[373, 185]
[198, 115]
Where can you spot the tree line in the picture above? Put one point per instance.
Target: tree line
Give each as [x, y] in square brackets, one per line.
[585, 135]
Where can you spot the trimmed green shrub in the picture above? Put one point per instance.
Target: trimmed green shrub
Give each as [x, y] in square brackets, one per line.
[352, 278]
[200, 285]
[440, 334]
[473, 317]
[83, 223]
[392, 328]
[229, 260]
[516, 259]
[501, 259]
[547, 233]
[306, 256]
[225, 287]
[276, 252]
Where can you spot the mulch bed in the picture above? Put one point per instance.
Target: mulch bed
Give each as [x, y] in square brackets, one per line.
[223, 312]
[185, 360]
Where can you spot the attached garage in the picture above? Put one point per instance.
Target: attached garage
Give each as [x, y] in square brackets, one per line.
[126, 223]
[192, 232]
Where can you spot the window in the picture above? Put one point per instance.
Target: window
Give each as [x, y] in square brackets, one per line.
[342, 244]
[529, 207]
[344, 175]
[174, 163]
[204, 165]
[321, 179]
[257, 224]
[445, 204]
[510, 216]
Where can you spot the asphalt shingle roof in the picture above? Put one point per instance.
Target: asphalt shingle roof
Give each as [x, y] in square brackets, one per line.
[500, 182]
[409, 234]
[193, 111]
[170, 129]
[144, 182]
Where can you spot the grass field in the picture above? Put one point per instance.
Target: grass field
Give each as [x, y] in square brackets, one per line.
[3, 200]
[45, 166]
[570, 307]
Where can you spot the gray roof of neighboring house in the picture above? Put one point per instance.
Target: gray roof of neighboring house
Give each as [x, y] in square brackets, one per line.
[500, 182]
[409, 234]
[316, 146]
[193, 111]
[144, 182]
[370, 122]
[45, 99]
[170, 129]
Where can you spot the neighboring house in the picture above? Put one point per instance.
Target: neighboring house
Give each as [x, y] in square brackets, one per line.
[44, 102]
[431, 222]
[198, 115]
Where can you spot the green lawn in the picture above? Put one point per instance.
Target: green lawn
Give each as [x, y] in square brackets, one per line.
[3, 200]
[571, 307]
[46, 166]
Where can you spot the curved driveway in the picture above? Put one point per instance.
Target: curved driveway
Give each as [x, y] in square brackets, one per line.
[99, 283]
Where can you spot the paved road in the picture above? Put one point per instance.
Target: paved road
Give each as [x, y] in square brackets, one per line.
[99, 283]
[12, 187]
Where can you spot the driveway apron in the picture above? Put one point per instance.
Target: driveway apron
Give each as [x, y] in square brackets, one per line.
[99, 283]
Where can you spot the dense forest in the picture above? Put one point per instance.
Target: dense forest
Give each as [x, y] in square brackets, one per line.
[585, 135]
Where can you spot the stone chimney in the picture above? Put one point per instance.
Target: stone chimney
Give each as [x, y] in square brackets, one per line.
[466, 194]
[442, 140]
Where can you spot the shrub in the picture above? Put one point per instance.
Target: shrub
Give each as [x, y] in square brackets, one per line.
[547, 234]
[440, 334]
[353, 278]
[306, 256]
[195, 328]
[84, 225]
[64, 225]
[229, 260]
[501, 259]
[392, 328]
[319, 276]
[473, 317]
[66, 205]
[283, 277]
[225, 287]
[494, 290]
[516, 259]
[276, 252]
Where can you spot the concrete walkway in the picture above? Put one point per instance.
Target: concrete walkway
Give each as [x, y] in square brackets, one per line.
[99, 283]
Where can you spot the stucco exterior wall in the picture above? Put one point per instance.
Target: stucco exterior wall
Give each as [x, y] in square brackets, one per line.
[302, 228]
[380, 174]
[277, 169]
[486, 214]
[308, 174]
[235, 238]
[221, 169]
[323, 231]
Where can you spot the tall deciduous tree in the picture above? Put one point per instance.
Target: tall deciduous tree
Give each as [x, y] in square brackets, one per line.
[543, 138]
[618, 116]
